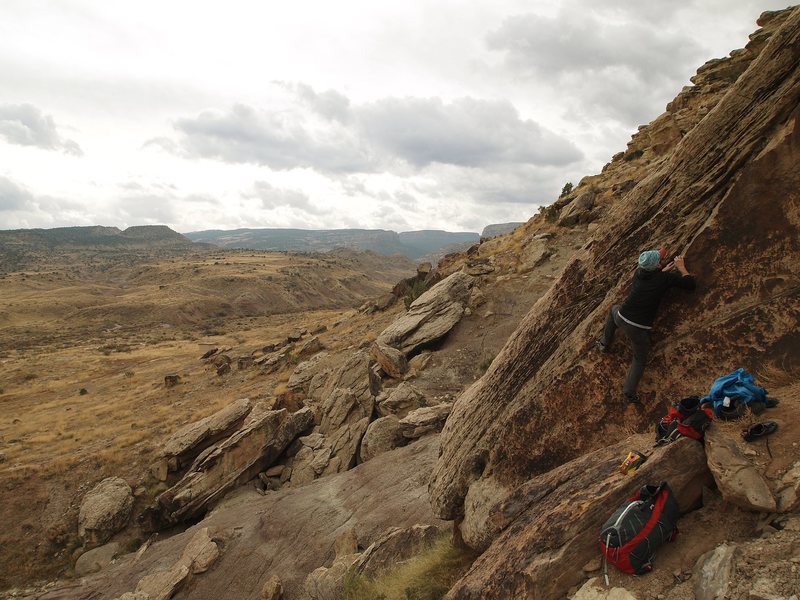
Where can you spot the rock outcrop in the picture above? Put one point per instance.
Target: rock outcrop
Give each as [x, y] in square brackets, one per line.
[431, 316]
[187, 443]
[232, 462]
[544, 531]
[258, 538]
[725, 189]
[105, 510]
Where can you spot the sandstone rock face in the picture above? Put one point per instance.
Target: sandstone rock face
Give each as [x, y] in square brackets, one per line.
[184, 445]
[105, 510]
[546, 529]
[231, 462]
[394, 547]
[430, 316]
[382, 435]
[737, 478]
[96, 559]
[725, 191]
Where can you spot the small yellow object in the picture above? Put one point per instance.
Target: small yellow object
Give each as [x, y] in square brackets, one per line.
[632, 461]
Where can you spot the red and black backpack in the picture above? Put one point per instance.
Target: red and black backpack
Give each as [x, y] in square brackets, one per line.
[687, 417]
[642, 524]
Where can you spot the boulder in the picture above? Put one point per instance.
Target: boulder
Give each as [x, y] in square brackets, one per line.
[304, 372]
[546, 529]
[232, 462]
[478, 266]
[353, 382]
[273, 589]
[737, 478]
[401, 400]
[713, 573]
[578, 210]
[344, 446]
[423, 421]
[244, 362]
[392, 361]
[308, 348]
[327, 583]
[431, 316]
[223, 369]
[105, 510]
[382, 435]
[595, 590]
[394, 547]
[343, 407]
[96, 559]
[184, 445]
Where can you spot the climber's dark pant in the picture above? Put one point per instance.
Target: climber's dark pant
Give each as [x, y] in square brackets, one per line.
[640, 344]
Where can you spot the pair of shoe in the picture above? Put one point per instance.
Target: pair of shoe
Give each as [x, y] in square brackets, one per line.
[759, 430]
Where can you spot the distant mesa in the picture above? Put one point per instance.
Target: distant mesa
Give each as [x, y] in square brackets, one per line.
[491, 231]
[412, 244]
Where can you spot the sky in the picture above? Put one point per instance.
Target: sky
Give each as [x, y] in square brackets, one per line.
[422, 114]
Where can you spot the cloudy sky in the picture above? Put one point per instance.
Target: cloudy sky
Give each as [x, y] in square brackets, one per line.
[423, 114]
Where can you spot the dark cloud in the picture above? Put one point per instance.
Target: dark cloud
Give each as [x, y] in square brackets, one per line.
[279, 139]
[26, 125]
[14, 196]
[466, 132]
[614, 60]
[391, 134]
[581, 42]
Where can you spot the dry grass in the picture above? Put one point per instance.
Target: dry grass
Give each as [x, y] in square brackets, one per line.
[773, 375]
[427, 576]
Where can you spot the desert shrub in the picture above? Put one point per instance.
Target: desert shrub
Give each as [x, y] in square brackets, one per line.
[83, 392]
[427, 576]
[633, 155]
[414, 291]
[29, 376]
[566, 189]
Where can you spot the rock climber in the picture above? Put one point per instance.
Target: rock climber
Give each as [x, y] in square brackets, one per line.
[636, 315]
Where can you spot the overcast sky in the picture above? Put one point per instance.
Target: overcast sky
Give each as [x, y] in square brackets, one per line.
[422, 114]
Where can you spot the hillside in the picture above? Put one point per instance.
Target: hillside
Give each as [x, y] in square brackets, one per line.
[301, 457]
[411, 244]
